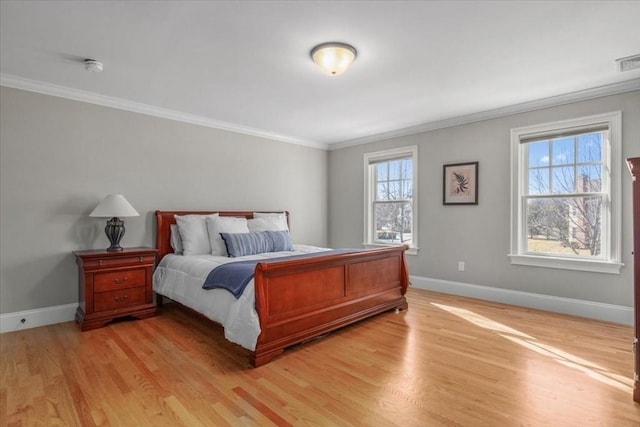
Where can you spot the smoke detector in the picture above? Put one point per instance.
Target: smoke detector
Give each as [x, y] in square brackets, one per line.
[92, 65]
[628, 63]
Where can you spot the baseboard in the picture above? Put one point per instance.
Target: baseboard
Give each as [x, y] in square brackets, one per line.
[40, 317]
[592, 310]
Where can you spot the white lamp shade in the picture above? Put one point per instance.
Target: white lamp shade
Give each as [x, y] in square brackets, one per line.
[334, 58]
[114, 205]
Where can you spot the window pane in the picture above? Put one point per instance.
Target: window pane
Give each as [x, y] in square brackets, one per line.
[564, 225]
[563, 151]
[407, 190]
[590, 148]
[395, 167]
[589, 178]
[390, 190]
[381, 171]
[394, 190]
[539, 181]
[407, 169]
[394, 180]
[393, 222]
[563, 180]
[382, 191]
[538, 153]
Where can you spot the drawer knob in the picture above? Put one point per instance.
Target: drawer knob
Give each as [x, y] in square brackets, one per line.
[99, 262]
[118, 280]
[139, 259]
[121, 299]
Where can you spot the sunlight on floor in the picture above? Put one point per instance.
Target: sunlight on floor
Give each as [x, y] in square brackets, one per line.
[481, 321]
[592, 370]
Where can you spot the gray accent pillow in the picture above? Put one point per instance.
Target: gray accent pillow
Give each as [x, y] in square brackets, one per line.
[256, 242]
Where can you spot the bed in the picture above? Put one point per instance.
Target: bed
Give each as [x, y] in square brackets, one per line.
[290, 301]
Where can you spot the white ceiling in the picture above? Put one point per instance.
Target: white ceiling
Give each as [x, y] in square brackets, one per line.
[245, 66]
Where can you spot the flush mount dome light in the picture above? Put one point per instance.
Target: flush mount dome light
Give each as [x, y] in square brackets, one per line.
[334, 58]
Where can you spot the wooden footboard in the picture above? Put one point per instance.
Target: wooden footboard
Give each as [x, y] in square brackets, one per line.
[299, 299]
[303, 298]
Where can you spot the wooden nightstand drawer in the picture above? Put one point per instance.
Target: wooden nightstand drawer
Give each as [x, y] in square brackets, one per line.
[99, 263]
[118, 299]
[105, 282]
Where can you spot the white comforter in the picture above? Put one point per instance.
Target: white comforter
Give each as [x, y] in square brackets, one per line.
[181, 277]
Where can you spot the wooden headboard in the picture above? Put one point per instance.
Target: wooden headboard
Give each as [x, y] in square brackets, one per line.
[164, 219]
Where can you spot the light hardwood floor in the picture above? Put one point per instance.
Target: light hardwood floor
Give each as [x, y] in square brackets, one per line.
[447, 361]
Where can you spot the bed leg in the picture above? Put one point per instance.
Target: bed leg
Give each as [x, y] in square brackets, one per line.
[402, 306]
[259, 358]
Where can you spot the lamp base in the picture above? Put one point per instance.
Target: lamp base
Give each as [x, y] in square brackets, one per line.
[114, 231]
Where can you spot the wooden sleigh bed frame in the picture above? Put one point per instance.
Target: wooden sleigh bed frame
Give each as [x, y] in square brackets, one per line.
[300, 299]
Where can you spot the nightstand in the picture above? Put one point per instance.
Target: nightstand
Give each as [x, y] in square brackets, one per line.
[114, 284]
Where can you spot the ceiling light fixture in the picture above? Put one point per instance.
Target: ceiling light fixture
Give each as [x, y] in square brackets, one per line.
[93, 65]
[334, 58]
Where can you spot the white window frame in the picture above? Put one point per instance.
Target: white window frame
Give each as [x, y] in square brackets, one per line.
[611, 215]
[369, 194]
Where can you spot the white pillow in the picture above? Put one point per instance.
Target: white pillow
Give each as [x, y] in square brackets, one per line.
[275, 221]
[176, 240]
[224, 224]
[259, 224]
[193, 231]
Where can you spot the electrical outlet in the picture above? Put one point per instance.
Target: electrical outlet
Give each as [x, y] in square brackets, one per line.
[460, 265]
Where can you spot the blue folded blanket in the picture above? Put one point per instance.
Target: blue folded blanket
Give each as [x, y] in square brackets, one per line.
[235, 276]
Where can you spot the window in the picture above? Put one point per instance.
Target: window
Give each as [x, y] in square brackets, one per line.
[391, 216]
[566, 194]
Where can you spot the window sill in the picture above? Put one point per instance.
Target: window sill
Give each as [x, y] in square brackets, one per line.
[567, 263]
[410, 251]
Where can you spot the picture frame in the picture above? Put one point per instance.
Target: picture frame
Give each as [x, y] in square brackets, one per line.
[460, 184]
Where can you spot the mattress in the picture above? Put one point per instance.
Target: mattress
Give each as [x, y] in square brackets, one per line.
[181, 277]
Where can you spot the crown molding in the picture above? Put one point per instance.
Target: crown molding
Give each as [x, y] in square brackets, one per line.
[583, 95]
[137, 107]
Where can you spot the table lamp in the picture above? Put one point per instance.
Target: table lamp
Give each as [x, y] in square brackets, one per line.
[114, 206]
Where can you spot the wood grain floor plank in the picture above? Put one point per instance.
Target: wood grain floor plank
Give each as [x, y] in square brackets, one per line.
[447, 361]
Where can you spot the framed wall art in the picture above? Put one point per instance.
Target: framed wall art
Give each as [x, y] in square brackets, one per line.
[460, 184]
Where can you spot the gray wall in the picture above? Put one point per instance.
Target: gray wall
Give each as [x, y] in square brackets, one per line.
[479, 235]
[59, 158]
